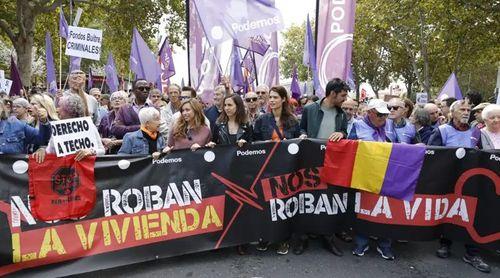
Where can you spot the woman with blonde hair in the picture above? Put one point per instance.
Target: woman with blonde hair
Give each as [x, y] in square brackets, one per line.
[190, 130]
[39, 101]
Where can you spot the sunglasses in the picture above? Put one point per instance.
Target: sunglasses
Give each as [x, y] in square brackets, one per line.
[393, 107]
[380, 115]
[184, 97]
[144, 89]
[252, 99]
[260, 93]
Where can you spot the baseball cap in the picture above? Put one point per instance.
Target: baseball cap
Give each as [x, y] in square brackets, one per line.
[378, 105]
[480, 106]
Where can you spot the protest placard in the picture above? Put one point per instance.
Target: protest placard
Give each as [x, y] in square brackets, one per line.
[72, 135]
[84, 43]
[5, 85]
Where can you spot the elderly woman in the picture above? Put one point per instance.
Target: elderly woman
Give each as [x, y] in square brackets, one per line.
[118, 99]
[490, 135]
[147, 139]
[71, 106]
[15, 135]
[189, 131]
[20, 108]
[155, 98]
[421, 119]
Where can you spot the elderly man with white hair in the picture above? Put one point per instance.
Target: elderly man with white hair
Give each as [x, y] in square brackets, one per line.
[146, 140]
[458, 133]
[263, 92]
[490, 134]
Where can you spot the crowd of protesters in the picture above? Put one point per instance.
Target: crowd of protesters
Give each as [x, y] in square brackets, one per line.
[148, 121]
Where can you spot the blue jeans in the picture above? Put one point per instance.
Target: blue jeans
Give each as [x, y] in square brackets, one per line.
[362, 240]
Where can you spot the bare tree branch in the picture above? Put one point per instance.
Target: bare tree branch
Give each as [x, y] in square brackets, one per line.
[7, 29]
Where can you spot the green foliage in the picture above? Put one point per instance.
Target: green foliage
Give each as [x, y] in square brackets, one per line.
[292, 51]
[424, 41]
[115, 17]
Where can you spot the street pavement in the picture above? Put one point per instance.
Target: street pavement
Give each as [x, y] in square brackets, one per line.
[413, 259]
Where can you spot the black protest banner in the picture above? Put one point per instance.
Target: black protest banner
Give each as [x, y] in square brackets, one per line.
[213, 198]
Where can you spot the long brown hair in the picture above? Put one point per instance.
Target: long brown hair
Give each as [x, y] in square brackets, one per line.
[181, 126]
[287, 117]
[241, 114]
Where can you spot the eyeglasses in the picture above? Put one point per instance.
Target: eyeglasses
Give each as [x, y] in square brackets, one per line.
[260, 93]
[252, 99]
[116, 98]
[393, 107]
[184, 97]
[380, 115]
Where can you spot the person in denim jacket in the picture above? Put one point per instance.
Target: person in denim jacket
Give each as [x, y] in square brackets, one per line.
[15, 135]
[147, 139]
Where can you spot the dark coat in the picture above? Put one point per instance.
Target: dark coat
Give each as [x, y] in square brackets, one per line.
[265, 125]
[221, 133]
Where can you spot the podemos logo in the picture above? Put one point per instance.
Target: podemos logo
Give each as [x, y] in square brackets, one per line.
[167, 160]
[249, 152]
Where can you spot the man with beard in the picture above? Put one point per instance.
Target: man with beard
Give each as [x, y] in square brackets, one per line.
[458, 133]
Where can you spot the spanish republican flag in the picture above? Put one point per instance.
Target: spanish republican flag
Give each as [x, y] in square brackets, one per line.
[383, 168]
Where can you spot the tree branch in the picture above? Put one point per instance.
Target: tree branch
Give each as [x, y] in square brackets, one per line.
[6, 28]
[44, 8]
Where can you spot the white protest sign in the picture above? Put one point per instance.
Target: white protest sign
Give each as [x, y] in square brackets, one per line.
[5, 85]
[421, 98]
[72, 135]
[84, 43]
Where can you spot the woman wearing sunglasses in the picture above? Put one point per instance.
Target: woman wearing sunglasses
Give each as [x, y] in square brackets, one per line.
[190, 130]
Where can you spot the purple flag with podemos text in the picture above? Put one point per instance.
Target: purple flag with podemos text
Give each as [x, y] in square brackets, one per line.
[111, 74]
[295, 87]
[450, 89]
[143, 61]
[237, 19]
[49, 63]
[335, 36]
[17, 84]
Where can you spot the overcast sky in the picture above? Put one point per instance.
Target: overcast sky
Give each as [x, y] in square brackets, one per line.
[293, 11]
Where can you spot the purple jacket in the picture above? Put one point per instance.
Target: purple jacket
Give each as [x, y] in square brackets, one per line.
[105, 125]
[126, 120]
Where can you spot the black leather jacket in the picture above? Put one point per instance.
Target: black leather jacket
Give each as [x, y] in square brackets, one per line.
[221, 133]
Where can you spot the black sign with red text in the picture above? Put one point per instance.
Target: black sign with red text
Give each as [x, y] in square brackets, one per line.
[189, 202]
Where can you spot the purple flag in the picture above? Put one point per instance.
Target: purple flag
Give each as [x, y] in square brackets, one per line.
[63, 25]
[90, 81]
[257, 44]
[196, 46]
[309, 57]
[450, 89]
[295, 87]
[17, 84]
[74, 63]
[350, 80]
[166, 61]
[111, 76]
[237, 19]
[335, 34]
[237, 80]
[49, 63]
[267, 66]
[166, 64]
[143, 62]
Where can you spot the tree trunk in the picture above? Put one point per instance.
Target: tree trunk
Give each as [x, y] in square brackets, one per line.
[24, 50]
[24, 41]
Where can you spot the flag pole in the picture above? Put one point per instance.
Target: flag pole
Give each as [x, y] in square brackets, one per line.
[104, 81]
[187, 37]
[255, 68]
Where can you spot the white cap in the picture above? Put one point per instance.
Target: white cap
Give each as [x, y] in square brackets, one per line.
[378, 105]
